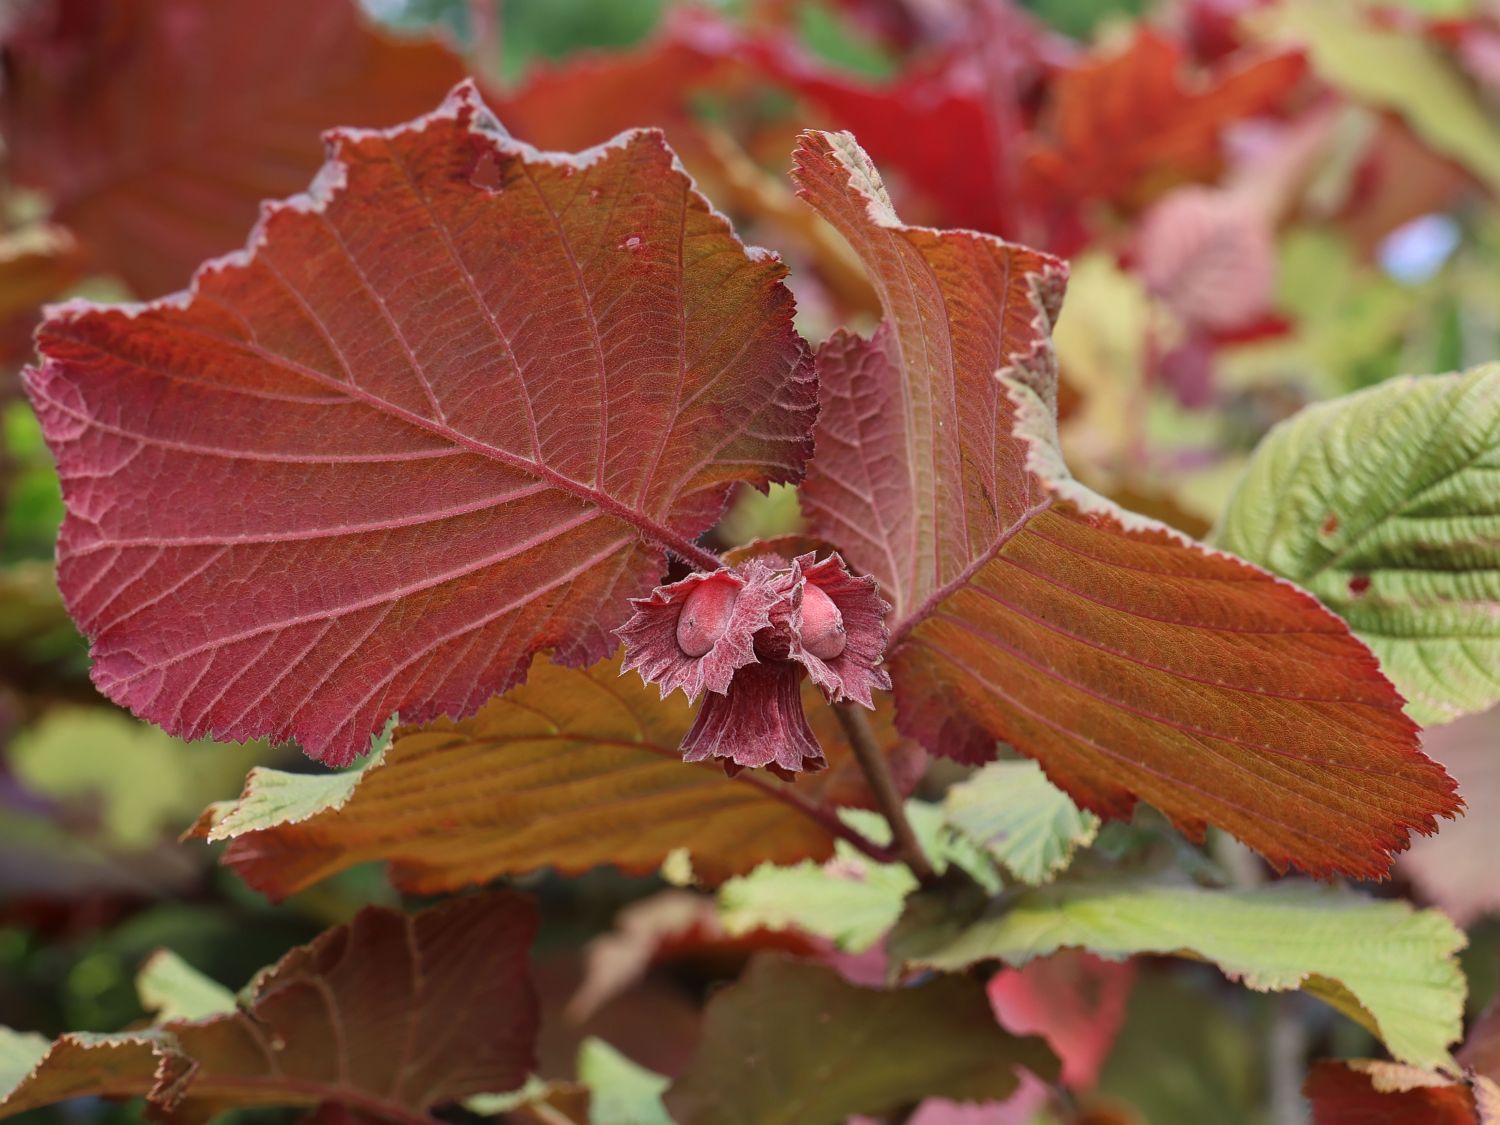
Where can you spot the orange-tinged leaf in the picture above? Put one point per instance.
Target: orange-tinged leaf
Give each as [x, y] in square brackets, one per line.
[1130, 661]
[447, 411]
[1127, 126]
[1374, 1092]
[570, 770]
[390, 1014]
[158, 126]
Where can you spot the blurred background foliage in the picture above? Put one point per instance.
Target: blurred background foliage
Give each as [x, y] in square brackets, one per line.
[1347, 233]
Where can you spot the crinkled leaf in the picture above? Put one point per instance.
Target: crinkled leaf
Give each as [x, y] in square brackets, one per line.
[793, 1042]
[1130, 662]
[446, 412]
[1021, 819]
[391, 1014]
[570, 770]
[226, 106]
[1382, 504]
[1382, 963]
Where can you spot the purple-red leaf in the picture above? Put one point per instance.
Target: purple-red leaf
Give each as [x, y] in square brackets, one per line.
[445, 412]
[157, 126]
[1131, 662]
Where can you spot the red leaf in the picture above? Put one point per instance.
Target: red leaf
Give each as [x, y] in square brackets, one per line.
[419, 431]
[1131, 662]
[390, 1014]
[1126, 126]
[1366, 1092]
[1074, 1000]
[157, 126]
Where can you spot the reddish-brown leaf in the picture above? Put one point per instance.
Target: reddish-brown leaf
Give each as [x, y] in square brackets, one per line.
[446, 411]
[1131, 662]
[391, 1014]
[1126, 126]
[158, 126]
[1369, 1092]
[570, 770]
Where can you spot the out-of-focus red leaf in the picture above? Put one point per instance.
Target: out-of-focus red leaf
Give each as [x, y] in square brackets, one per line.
[1456, 868]
[1072, 999]
[1210, 255]
[158, 126]
[390, 1014]
[1367, 1092]
[447, 411]
[1125, 127]
[951, 125]
[586, 99]
[1130, 661]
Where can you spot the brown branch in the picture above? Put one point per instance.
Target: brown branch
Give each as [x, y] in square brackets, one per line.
[877, 772]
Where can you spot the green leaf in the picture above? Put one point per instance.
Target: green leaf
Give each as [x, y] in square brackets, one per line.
[793, 1043]
[851, 900]
[1382, 503]
[1394, 70]
[622, 1092]
[1021, 819]
[1383, 964]
[171, 989]
[147, 783]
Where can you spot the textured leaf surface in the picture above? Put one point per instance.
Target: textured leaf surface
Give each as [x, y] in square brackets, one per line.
[423, 429]
[1130, 662]
[1021, 819]
[795, 1042]
[1381, 963]
[1383, 504]
[391, 1014]
[570, 770]
[226, 107]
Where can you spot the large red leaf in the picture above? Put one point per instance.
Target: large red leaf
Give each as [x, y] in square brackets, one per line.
[158, 126]
[1131, 662]
[1126, 126]
[390, 1014]
[446, 411]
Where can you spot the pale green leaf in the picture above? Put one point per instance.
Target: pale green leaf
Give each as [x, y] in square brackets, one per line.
[273, 797]
[1382, 963]
[1383, 504]
[171, 989]
[1025, 823]
[621, 1091]
[1387, 67]
[851, 900]
[146, 783]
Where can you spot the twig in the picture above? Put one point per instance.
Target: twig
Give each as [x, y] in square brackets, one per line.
[878, 774]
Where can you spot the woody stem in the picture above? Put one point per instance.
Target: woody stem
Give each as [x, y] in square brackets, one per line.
[877, 772]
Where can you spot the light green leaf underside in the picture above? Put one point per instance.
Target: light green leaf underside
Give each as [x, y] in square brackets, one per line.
[171, 989]
[1386, 505]
[621, 1091]
[850, 900]
[1385, 965]
[1025, 823]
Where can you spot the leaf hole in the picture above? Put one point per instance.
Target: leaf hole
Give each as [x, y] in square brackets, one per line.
[1331, 524]
[487, 173]
[1359, 584]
